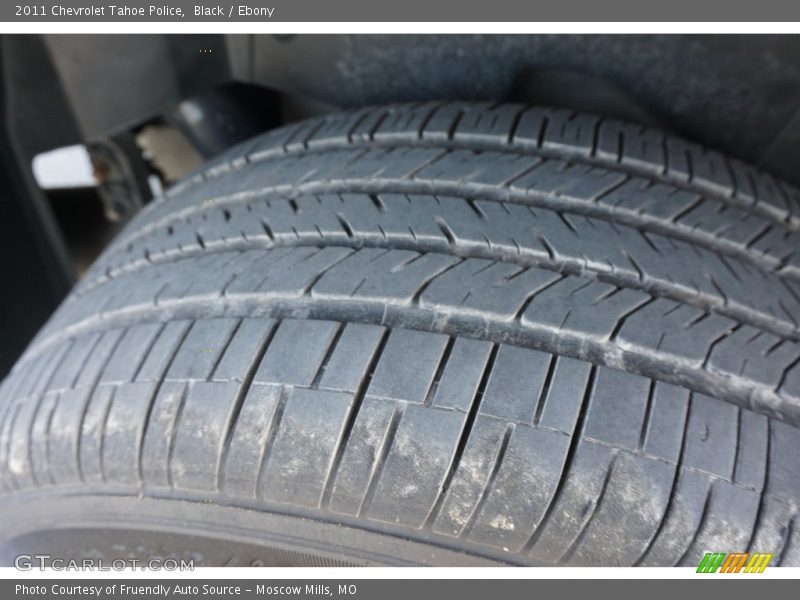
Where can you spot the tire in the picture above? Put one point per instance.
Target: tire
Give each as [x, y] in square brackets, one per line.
[427, 334]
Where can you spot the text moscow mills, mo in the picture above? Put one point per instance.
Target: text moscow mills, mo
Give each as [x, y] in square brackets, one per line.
[300, 591]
